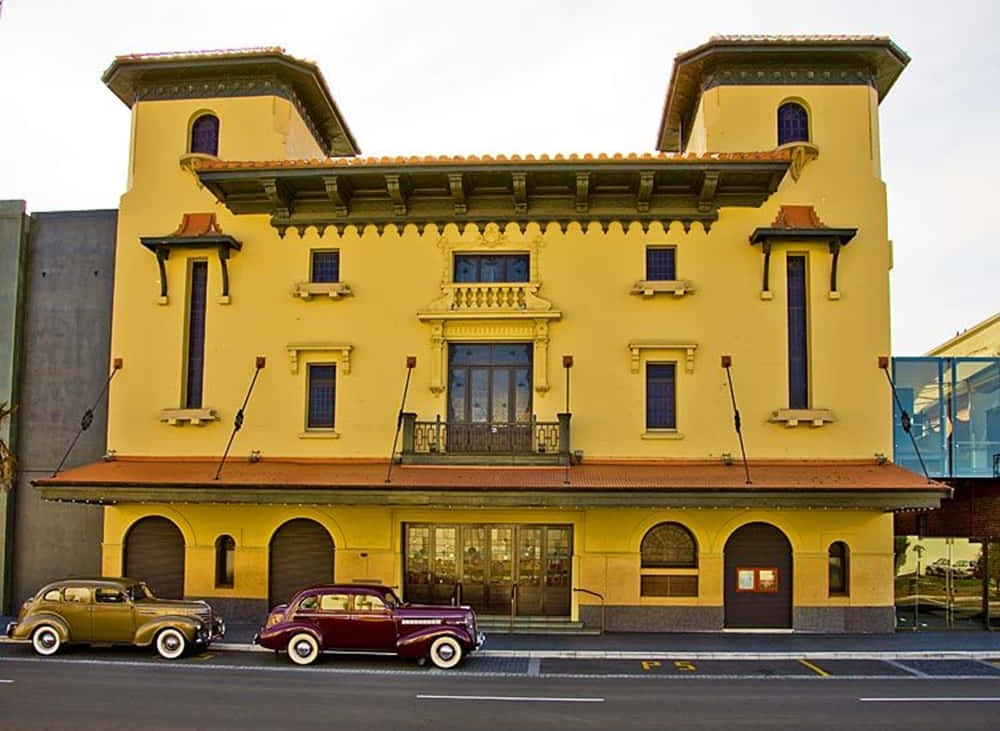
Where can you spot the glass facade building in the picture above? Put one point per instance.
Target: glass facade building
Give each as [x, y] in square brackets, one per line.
[954, 406]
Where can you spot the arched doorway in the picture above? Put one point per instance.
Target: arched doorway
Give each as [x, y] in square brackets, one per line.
[758, 578]
[300, 554]
[154, 553]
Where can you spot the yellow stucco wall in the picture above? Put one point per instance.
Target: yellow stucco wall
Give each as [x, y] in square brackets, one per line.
[586, 274]
[605, 551]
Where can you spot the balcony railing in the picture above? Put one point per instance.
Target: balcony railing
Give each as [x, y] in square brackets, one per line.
[520, 442]
[493, 296]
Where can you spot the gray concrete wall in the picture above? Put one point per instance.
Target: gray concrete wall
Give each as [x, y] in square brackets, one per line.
[13, 245]
[65, 364]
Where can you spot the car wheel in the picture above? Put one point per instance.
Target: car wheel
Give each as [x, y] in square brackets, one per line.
[446, 652]
[45, 640]
[303, 649]
[171, 643]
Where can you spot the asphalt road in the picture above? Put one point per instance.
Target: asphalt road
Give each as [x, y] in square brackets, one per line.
[126, 688]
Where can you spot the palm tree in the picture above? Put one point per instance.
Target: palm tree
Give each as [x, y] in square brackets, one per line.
[6, 456]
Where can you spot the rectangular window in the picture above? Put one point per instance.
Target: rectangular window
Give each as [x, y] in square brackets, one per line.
[322, 396]
[668, 585]
[660, 394]
[195, 375]
[325, 266]
[660, 264]
[798, 362]
[491, 267]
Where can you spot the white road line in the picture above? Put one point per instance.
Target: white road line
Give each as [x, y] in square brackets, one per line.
[6, 681]
[906, 668]
[534, 667]
[517, 698]
[932, 699]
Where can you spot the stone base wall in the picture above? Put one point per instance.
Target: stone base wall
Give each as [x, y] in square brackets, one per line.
[858, 620]
[653, 619]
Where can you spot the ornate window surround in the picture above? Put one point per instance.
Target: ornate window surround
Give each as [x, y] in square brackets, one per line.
[489, 312]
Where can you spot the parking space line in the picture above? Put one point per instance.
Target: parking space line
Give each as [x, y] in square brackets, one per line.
[534, 667]
[906, 668]
[931, 699]
[514, 698]
[6, 681]
[815, 668]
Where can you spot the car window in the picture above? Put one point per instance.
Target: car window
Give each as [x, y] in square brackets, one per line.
[109, 596]
[309, 603]
[77, 594]
[334, 602]
[368, 603]
[53, 596]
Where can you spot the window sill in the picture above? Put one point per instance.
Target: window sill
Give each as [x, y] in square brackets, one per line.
[195, 417]
[795, 417]
[319, 434]
[661, 434]
[331, 290]
[676, 287]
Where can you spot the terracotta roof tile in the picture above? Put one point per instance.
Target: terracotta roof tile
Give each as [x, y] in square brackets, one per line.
[198, 224]
[673, 475]
[431, 160]
[797, 217]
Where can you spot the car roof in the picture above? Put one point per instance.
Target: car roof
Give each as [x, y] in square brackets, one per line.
[92, 580]
[352, 588]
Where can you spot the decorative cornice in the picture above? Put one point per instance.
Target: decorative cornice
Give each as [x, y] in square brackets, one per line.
[323, 194]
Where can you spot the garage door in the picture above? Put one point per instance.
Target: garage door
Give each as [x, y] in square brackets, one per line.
[300, 555]
[758, 578]
[154, 553]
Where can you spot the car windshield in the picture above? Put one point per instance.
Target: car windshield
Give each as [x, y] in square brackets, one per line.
[390, 598]
[137, 592]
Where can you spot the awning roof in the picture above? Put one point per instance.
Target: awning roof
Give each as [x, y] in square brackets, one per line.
[801, 483]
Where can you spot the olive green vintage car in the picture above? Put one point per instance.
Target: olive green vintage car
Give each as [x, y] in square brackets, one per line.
[114, 611]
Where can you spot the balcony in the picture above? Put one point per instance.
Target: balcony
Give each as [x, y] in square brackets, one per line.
[531, 442]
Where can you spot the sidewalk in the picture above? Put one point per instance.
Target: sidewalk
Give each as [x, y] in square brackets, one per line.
[713, 645]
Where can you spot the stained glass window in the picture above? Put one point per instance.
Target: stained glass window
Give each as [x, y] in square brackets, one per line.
[660, 266]
[205, 135]
[322, 396]
[669, 545]
[325, 266]
[660, 407]
[793, 123]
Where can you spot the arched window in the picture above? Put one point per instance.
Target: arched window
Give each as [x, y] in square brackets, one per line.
[838, 568]
[225, 560]
[793, 123]
[668, 562]
[205, 135]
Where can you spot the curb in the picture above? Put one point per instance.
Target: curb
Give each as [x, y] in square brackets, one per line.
[662, 655]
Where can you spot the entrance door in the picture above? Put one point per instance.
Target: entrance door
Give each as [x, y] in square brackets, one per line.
[154, 553]
[487, 560]
[300, 555]
[758, 576]
[489, 398]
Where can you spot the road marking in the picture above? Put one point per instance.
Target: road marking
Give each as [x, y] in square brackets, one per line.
[202, 658]
[534, 667]
[932, 699]
[818, 670]
[648, 665]
[516, 698]
[907, 668]
[6, 681]
[685, 666]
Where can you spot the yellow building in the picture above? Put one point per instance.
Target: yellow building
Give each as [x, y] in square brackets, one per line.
[567, 434]
[982, 340]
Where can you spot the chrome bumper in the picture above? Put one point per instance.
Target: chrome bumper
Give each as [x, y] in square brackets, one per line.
[480, 639]
[9, 629]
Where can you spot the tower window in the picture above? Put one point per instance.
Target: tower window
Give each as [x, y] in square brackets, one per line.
[798, 337]
[205, 135]
[793, 123]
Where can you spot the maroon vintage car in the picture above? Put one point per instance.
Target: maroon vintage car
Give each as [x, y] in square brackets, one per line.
[369, 618]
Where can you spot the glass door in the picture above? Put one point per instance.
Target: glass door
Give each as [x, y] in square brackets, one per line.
[474, 554]
[445, 567]
[530, 570]
[558, 556]
[501, 570]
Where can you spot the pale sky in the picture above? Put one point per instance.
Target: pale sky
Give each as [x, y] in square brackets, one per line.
[470, 77]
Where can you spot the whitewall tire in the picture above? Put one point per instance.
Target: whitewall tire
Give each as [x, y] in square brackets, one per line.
[303, 649]
[446, 652]
[45, 640]
[171, 644]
